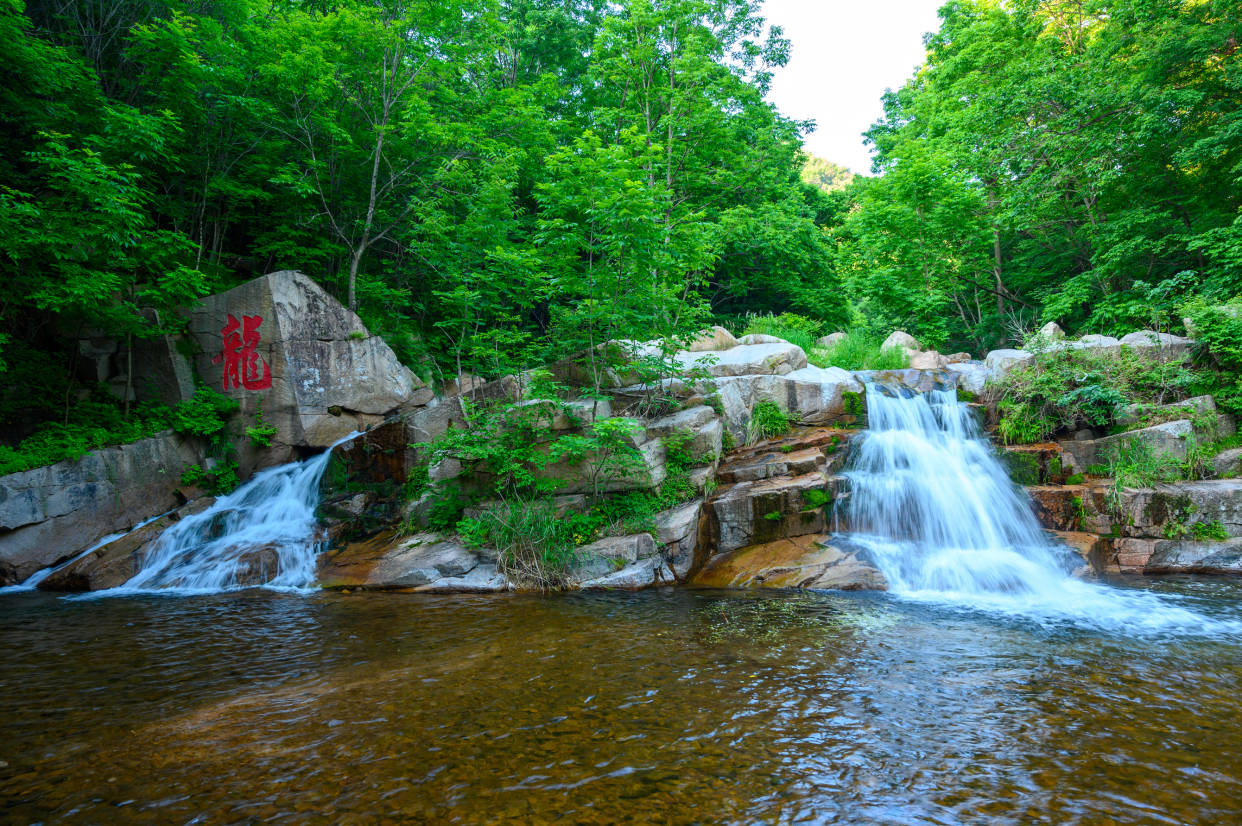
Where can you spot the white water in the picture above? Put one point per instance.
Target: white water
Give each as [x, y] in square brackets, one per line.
[31, 582]
[945, 524]
[263, 533]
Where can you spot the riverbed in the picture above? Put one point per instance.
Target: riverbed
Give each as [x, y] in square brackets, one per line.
[673, 706]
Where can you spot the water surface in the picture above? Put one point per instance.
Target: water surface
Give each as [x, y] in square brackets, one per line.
[660, 707]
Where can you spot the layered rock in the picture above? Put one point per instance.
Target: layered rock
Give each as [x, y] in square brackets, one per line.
[424, 562]
[799, 562]
[51, 513]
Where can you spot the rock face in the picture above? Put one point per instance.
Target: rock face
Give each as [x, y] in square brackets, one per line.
[51, 513]
[810, 395]
[423, 562]
[281, 344]
[114, 564]
[801, 562]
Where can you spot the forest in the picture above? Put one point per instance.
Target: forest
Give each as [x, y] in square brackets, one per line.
[495, 184]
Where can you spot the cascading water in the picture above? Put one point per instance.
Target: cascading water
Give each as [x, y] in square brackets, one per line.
[263, 533]
[944, 523]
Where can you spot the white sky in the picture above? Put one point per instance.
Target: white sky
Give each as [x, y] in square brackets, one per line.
[845, 54]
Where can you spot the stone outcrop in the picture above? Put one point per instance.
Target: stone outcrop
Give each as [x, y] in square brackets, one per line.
[51, 513]
[800, 562]
[113, 564]
[424, 562]
[281, 344]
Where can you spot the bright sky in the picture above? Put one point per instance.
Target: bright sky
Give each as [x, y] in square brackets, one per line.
[845, 54]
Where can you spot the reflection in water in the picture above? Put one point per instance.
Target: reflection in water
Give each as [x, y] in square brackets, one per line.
[658, 707]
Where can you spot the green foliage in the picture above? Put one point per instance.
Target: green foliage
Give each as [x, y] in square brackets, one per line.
[859, 350]
[1059, 391]
[1133, 463]
[815, 498]
[1075, 479]
[259, 434]
[221, 479]
[766, 421]
[536, 545]
[773, 516]
[1218, 326]
[1213, 530]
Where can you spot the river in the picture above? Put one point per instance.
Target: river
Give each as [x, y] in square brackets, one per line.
[673, 706]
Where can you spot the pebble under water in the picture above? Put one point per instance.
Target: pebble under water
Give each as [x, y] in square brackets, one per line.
[672, 706]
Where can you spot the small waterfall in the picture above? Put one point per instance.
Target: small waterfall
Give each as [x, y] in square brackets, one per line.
[263, 533]
[944, 522]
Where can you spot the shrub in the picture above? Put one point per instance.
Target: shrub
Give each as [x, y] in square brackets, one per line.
[795, 329]
[766, 420]
[1134, 464]
[1219, 327]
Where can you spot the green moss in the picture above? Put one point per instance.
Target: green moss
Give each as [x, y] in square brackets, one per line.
[1023, 467]
[1076, 479]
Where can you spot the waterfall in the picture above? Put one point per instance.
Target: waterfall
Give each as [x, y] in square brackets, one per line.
[943, 521]
[263, 533]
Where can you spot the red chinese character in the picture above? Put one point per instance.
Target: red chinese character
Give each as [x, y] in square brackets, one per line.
[241, 356]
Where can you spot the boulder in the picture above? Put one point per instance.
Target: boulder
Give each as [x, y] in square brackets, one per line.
[902, 340]
[1095, 341]
[1194, 557]
[610, 555]
[1000, 362]
[926, 360]
[746, 360]
[1169, 437]
[802, 562]
[971, 376]
[422, 562]
[957, 358]
[713, 338]
[700, 421]
[761, 338]
[1051, 332]
[281, 344]
[114, 563]
[1228, 463]
[51, 513]
[1164, 346]
[680, 532]
[831, 340]
[641, 574]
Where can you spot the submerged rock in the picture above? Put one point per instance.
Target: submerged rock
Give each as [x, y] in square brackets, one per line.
[801, 562]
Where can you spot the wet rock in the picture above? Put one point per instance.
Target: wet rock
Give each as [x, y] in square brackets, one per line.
[801, 562]
[714, 338]
[51, 513]
[642, 574]
[754, 512]
[117, 562]
[425, 562]
[746, 360]
[280, 339]
[1092, 548]
[913, 381]
[1195, 557]
[1038, 464]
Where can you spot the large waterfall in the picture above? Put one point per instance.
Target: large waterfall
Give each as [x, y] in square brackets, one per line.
[945, 524]
[263, 533]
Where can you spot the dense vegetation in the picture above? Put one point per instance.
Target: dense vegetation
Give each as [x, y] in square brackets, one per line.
[495, 184]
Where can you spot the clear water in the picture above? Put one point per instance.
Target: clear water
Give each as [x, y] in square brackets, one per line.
[942, 519]
[666, 707]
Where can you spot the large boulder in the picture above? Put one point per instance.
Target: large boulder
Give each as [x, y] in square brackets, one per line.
[1000, 362]
[598, 562]
[831, 340]
[52, 513]
[1051, 332]
[1164, 346]
[746, 360]
[282, 345]
[713, 338]
[801, 562]
[971, 375]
